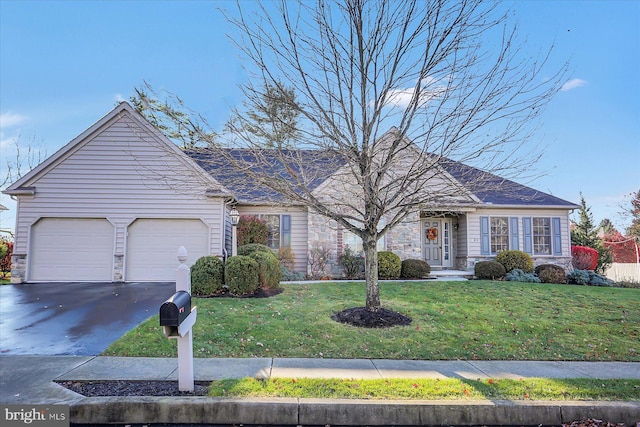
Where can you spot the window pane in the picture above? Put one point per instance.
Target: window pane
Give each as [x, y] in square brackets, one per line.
[542, 236]
[354, 242]
[499, 234]
[273, 230]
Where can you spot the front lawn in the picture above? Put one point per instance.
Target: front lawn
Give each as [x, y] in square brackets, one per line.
[451, 320]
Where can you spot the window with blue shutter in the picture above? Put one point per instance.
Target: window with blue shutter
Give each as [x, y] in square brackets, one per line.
[485, 247]
[514, 238]
[527, 234]
[557, 236]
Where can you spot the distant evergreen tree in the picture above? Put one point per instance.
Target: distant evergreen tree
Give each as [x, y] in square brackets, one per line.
[585, 233]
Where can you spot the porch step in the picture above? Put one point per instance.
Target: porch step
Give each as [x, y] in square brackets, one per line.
[451, 274]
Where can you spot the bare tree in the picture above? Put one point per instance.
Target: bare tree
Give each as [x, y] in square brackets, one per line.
[23, 158]
[448, 78]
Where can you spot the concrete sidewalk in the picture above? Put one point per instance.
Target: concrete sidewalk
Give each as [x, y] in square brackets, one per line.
[29, 380]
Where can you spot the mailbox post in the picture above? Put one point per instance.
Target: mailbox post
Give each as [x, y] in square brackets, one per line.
[177, 318]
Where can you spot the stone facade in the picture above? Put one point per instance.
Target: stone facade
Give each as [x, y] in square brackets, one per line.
[18, 268]
[118, 268]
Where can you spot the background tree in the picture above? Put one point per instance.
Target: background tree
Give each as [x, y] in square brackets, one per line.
[634, 213]
[449, 77]
[585, 233]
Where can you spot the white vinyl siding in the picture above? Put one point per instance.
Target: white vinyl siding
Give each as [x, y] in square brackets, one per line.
[121, 171]
[71, 250]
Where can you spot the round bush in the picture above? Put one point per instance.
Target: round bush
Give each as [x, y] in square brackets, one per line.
[551, 273]
[241, 275]
[269, 270]
[207, 276]
[515, 260]
[246, 250]
[389, 265]
[415, 269]
[518, 275]
[489, 270]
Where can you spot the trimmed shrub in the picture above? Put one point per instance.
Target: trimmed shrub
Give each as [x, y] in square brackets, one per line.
[518, 275]
[415, 269]
[269, 270]
[389, 265]
[584, 258]
[241, 275]
[588, 278]
[551, 273]
[489, 270]
[512, 260]
[252, 229]
[246, 250]
[352, 263]
[207, 276]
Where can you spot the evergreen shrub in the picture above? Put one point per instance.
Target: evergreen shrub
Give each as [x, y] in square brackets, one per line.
[588, 278]
[415, 269]
[241, 275]
[489, 270]
[246, 250]
[551, 273]
[269, 270]
[389, 265]
[512, 260]
[207, 276]
[518, 275]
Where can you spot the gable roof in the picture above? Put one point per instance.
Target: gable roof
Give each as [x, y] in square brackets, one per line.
[319, 165]
[24, 184]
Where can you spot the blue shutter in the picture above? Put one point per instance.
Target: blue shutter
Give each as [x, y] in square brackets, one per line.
[514, 238]
[528, 238]
[557, 236]
[286, 230]
[485, 247]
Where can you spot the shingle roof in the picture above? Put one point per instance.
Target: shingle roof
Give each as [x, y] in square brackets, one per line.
[318, 165]
[313, 166]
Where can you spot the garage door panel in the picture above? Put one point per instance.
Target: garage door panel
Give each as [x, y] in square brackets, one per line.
[71, 249]
[152, 247]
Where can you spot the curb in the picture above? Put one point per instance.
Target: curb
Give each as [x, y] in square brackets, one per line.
[300, 412]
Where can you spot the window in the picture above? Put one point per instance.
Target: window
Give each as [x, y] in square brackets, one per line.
[355, 243]
[542, 236]
[499, 234]
[278, 230]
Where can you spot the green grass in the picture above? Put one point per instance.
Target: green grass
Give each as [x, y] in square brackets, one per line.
[430, 389]
[451, 320]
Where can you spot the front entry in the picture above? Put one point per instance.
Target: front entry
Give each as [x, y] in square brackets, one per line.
[436, 241]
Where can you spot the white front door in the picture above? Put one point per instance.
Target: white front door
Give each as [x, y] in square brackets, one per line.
[436, 241]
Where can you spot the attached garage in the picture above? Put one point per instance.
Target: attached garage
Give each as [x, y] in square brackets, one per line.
[152, 247]
[71, 249]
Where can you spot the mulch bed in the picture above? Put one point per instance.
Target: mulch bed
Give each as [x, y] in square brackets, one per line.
[133, 388]
[361, 317]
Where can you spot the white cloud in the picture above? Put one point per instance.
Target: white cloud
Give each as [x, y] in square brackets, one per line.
[10, 119]
[572, 84]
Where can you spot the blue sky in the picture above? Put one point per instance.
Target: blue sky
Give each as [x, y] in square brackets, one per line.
[64, 64]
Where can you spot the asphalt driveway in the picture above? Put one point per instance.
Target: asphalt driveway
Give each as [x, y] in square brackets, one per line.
[79, 319]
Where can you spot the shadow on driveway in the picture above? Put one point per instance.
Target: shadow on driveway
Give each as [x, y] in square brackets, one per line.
[79, 319]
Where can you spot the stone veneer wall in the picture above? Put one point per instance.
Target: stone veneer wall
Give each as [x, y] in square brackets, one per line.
[323, 231]
[404, 239]
[18, 268]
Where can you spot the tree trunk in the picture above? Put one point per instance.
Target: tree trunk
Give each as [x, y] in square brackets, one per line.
[371, 273]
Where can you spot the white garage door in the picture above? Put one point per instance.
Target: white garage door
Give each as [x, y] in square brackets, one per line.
[152, 247]
[71, 249]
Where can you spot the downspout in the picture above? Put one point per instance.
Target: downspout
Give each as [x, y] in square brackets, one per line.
[223, 236]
